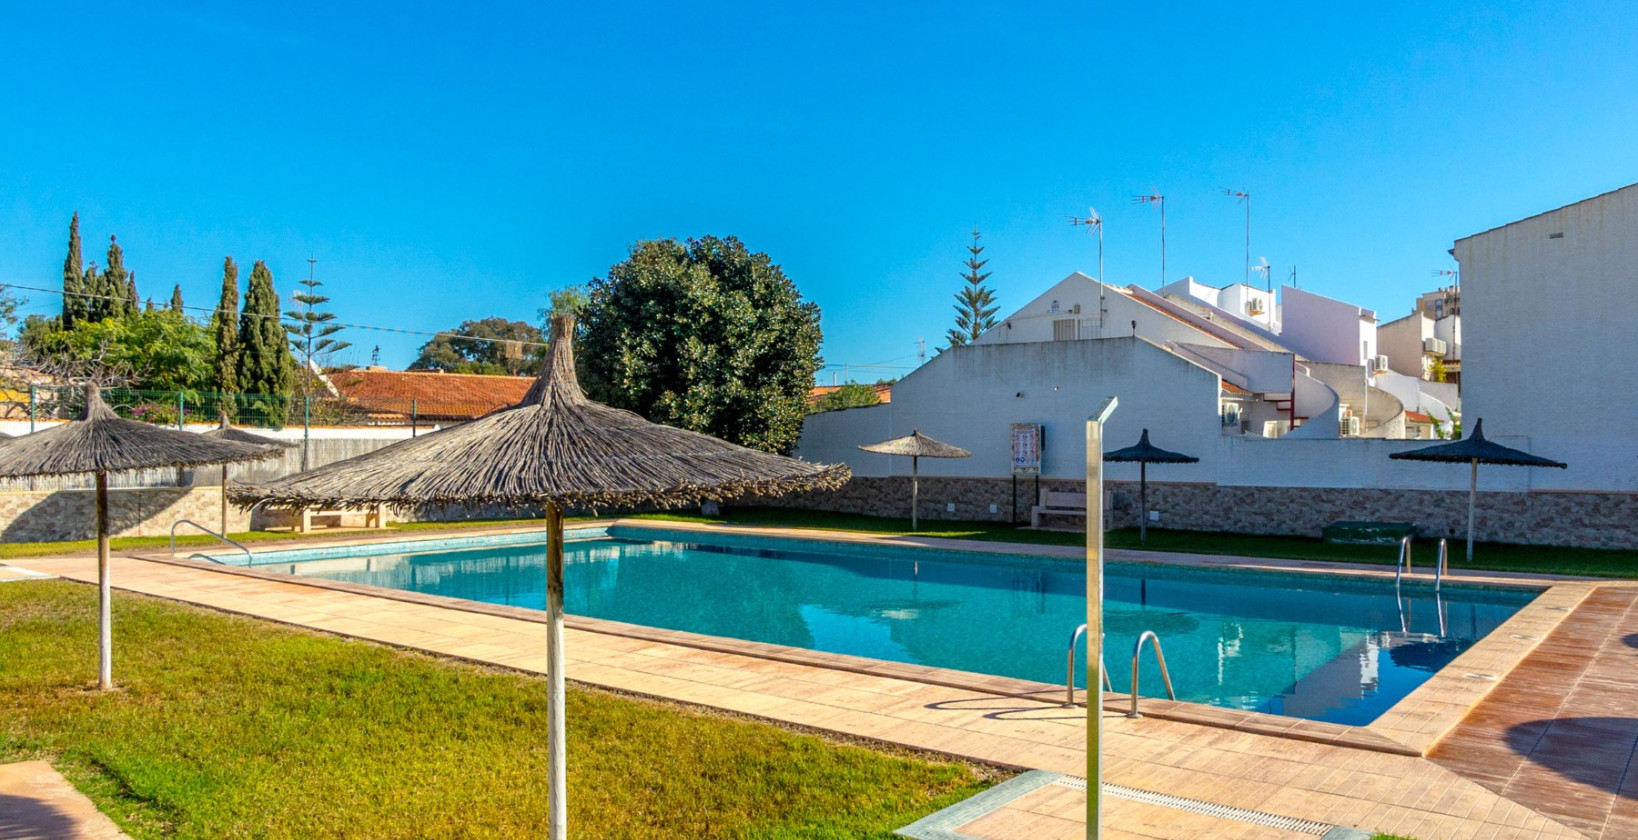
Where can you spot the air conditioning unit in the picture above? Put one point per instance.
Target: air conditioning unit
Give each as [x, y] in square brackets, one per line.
[1231, 415]
[1255, 306]
[1350, 426]
[1379, 364]
[1276, 428]
[1435, 346]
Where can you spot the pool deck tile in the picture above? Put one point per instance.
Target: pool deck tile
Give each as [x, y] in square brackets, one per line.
[1560, 732]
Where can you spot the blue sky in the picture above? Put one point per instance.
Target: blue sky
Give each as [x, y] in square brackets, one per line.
[446, 162]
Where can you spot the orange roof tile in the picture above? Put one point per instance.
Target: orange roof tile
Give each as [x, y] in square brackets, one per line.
[433, 395]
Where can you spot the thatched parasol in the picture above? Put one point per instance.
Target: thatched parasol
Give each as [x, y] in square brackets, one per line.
[917, 446]
[100, 442]
[1476, 450]
[1145, 453]
[557, 449]
[225, 431]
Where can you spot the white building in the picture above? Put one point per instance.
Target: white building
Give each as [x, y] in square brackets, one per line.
[1428, 339]
[1550, 316]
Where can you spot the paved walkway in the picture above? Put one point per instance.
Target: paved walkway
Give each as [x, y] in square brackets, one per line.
[37, 803]
[1560, 733]
[1324, 782]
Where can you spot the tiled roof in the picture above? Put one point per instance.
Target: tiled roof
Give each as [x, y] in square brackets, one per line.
[884, 392]
[1231, 388]
[433, 395]
[1418, 417]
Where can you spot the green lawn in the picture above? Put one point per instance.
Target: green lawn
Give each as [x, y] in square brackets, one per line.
[225, 726]
[1489, 556]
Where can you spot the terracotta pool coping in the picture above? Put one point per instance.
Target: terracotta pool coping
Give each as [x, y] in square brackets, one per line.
[1412, 726]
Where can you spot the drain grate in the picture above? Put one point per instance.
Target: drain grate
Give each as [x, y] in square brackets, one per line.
[1210, 809]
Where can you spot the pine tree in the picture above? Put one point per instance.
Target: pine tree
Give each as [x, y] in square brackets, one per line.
[264, 369]
[226, 328]
[73, 278]
[975, 303]
[176, 298]
[310, 333]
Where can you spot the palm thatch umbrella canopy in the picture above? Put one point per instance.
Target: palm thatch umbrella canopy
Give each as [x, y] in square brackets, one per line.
[1474, 449]
[99, 442]
[917, 446]
[1144, 454]
[558, 449]
[225, 431]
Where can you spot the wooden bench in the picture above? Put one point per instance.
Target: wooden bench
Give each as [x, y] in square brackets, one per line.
[1057, 503]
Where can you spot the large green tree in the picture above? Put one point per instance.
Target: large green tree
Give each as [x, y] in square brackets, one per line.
[74, 301]
[225, 328]
[975, 303]
[159, 350]
[705, 335]
[265, 372]
[491, 345]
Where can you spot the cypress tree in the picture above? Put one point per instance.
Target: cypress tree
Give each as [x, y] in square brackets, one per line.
[975, 304]
[73, 277]
[226, 328]
[94, 295]
[115, 290]
[132, 302]
[176, 298]
[265, 369]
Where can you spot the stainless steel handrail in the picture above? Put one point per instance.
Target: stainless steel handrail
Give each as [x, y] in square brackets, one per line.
[1403, 566]
[222, 537]
[1160, 657]
[1443, 567]
[206, 557]
[1069, 681]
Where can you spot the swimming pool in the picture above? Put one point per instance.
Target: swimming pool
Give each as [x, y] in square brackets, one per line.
[1309, 646]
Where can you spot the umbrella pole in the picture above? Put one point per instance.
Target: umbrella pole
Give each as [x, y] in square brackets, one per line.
[915, 490]
[1143, 503]
[224, 499]
[1472, 493]
[105, 629]
[557, 805]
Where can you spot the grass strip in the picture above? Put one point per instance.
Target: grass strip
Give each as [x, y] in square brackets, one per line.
[225, 726]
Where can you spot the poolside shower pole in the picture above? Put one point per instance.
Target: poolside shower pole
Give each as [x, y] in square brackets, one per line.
[1094, 616]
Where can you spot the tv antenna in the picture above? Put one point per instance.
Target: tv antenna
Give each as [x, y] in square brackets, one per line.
[1455, 275]
[1090, 221]
[1154, 197]
[1293, 277]
[1244, 197]
[1263, 266]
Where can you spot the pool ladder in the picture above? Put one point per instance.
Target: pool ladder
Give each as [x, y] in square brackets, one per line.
[222, 537]
[1440, 569]
[1137, 651]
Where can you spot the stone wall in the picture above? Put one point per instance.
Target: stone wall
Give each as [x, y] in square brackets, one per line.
[1590, 520]
[55, 515]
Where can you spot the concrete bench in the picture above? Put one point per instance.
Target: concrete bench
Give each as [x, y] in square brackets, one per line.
[1057, 503]
[374, 518]
[1368, 533]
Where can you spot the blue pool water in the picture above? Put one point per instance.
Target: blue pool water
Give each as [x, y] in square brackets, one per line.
[1298, 645]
